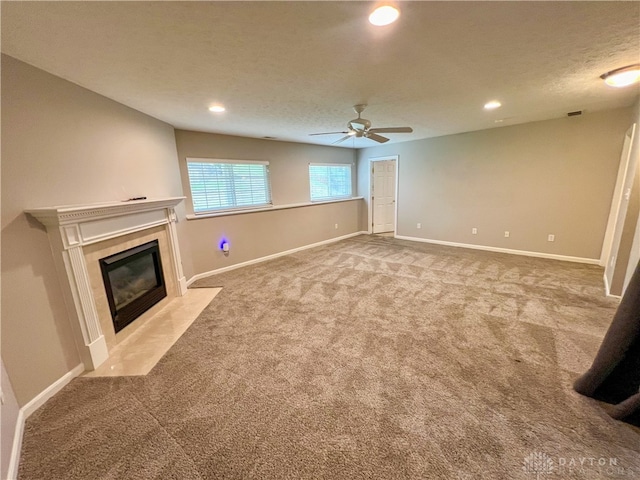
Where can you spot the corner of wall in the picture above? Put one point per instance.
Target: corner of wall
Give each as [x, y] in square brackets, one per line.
[11, 430]
[12, 439]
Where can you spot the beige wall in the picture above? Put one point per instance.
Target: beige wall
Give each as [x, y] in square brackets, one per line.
[254, 235]
[62, 144]
[550, 177]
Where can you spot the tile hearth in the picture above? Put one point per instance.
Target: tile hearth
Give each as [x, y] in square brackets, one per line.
[141, 347]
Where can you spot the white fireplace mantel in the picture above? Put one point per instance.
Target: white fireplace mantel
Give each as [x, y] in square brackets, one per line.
[72, 227]
[66, 214]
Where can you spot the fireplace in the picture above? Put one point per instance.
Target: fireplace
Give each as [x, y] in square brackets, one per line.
[133, 281]
[82, 235]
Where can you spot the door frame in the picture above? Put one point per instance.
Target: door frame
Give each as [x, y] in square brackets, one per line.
[396, 159]
[617, 199]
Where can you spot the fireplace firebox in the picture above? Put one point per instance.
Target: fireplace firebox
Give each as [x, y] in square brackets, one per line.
[134, 282]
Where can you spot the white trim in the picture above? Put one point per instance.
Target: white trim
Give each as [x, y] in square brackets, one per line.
[99, 231]
[396, 158]
[322, 164]
[233, 162]
[74, 214]
[26, 411]
[271, 257]
[618, 193]
[269, 209]
[98, 351]
[221, 212]
[552, 256]
[83, 295]
[330, 199]
[50, 391]
[607, 288]
[175, 249]
[14, 460]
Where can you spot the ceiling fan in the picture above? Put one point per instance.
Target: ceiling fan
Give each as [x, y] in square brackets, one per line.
[361, 127]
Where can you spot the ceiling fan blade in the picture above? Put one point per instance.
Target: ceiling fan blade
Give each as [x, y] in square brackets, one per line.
[376, 137]
[328, 133]
[342, 139]
[392, 130]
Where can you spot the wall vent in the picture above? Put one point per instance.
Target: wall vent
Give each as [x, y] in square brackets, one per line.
[574, 114]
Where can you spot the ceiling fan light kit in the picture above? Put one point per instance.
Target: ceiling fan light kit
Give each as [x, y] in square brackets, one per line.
[361, 127]
[622, 77]
[384, 15]
[492, 105]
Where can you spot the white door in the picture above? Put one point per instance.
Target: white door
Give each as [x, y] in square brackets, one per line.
[384, 196]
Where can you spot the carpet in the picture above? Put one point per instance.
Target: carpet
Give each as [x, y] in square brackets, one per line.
[369, 358]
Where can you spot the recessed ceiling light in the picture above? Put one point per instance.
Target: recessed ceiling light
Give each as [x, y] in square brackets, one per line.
[500, 120]
[622, 77]
[492, 105]
[384, 15]
[217, 108]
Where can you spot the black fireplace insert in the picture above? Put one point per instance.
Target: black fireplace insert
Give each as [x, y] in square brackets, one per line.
[134, 282]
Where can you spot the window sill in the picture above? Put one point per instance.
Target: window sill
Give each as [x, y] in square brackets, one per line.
[192, 216]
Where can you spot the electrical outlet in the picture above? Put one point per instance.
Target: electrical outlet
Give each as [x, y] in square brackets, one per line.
[418, 225]
[551, 238]
[506, 234]
[336, 226]
[474, 231]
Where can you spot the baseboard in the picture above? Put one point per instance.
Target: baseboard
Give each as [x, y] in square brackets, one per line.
[26, 411]
[14, 460]
[552, 256]
[271, 257]
[50, 391]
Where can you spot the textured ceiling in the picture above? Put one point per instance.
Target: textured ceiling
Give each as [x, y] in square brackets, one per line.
[288, 69]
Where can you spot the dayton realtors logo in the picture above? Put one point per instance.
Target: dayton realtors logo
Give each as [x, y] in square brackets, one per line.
[541, 465]
[538, 463]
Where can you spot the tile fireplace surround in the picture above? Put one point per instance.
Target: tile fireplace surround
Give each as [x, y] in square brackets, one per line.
[76, 232]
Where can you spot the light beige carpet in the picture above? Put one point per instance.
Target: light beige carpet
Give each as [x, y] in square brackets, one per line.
[370, 358]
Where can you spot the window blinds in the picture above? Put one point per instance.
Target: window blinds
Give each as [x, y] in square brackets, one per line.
[223, 185]
[329, 181]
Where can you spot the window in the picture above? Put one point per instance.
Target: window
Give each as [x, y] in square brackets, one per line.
[218, 185]
[329, 181]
